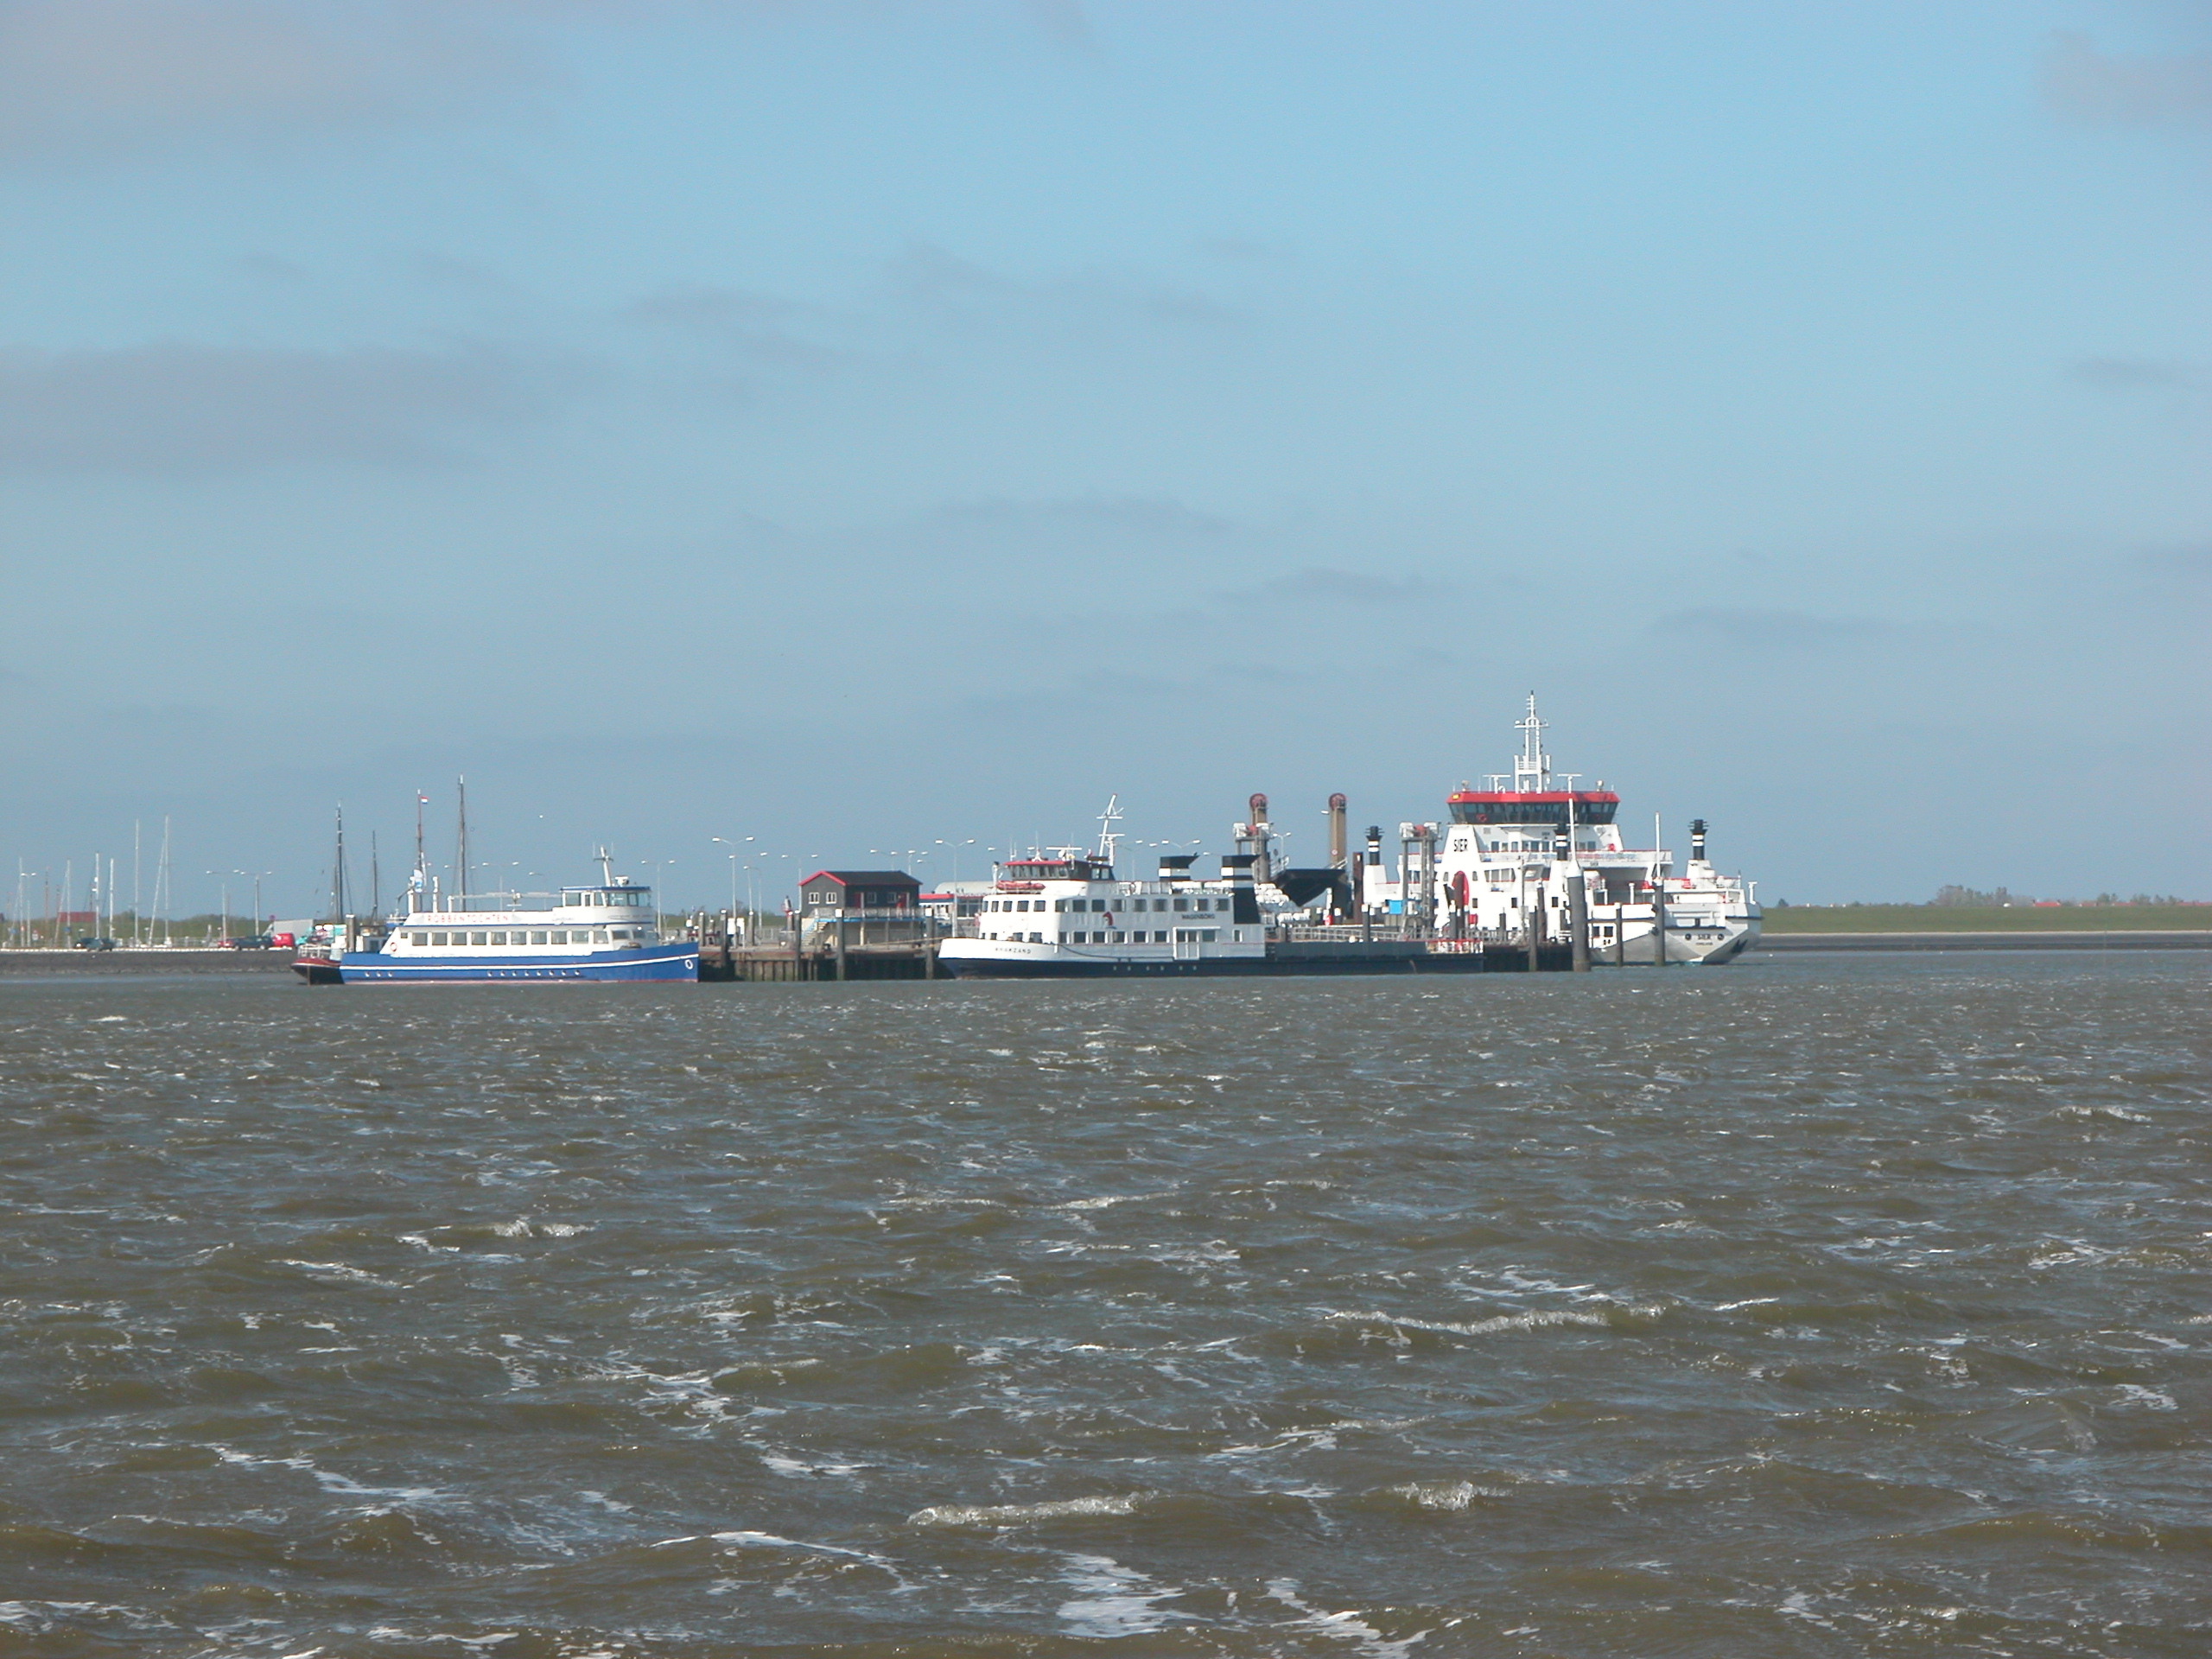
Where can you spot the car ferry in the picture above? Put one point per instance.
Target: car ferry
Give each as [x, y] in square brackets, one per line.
[605, 931]
[1505, 861]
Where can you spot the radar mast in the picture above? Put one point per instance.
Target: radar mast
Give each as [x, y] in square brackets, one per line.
[1532, 767]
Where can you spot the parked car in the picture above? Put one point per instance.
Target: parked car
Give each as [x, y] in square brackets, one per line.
[96, 944]
[247, 941]
[283, 942]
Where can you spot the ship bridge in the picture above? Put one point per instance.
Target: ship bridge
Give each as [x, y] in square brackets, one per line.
[1553, 806]
[1532, 798]
[1026, 874]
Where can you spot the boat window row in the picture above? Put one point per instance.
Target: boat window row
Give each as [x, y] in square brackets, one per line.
[1119, 936]
[1108, 905]
[616, 896]
[438, 939]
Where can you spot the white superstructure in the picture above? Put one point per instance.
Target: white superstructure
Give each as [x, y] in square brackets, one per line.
[1065, 912]
[1509, 856]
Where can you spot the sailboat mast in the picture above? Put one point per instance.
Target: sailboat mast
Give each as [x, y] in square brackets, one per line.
[460, 844]
[376, 880]
[164, 883]
[338, 870]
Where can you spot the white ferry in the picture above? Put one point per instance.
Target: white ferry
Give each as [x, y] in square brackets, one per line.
[1506, 861]
[609, 930]
[1066, 914]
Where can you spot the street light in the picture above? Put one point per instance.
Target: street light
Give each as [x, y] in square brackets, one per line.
[226, 897]
[737, 847]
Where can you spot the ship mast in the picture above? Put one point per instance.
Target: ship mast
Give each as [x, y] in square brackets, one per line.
[461, 842]
[1107, 835]
[338, 870]
[1532, 767]
[419, 884]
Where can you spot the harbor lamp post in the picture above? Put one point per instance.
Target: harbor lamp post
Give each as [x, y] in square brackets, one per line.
[226, 897]
[956, 845]
[735, 847]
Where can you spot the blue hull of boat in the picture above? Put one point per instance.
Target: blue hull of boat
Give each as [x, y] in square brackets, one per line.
[660, 962]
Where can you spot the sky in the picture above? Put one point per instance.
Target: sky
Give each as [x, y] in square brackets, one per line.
[878, 433]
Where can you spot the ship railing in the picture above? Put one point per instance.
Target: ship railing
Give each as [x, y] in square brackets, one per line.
[487, 901]
[1385, 927]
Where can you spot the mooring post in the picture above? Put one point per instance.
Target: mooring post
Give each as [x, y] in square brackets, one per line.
[1577, 897]
[1658, 921]
[1534, 920]
[841, 945]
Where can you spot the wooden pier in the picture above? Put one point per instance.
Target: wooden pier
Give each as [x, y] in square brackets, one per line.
[851, 951]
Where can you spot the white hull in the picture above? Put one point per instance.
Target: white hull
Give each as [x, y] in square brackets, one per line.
[1704, 943]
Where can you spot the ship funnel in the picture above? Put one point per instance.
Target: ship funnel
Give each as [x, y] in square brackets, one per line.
[1175, 866]
[1243, 901]
[1336, 832]
[1256, 835]
[1697, 841]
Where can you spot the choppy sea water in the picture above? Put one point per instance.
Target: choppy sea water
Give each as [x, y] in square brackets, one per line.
[1804, 1307]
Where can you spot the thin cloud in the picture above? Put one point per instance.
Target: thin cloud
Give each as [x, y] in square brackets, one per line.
[1064, 23]
[1141, 515]
[179, 408]
[2137, 373]
[1246, 249]
[92, 76]
[1756, 629]
[2175, 566]
[954, 290]
[711, 310]
[99, 78]
[2088, 85]
[1324, 589]
[759, 326]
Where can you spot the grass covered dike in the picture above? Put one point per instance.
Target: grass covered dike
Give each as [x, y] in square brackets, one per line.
[1976, 919]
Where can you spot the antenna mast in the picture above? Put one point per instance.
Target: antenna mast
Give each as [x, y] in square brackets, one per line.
[419, 884]
[338, 870]
[1532, 767]
[1107, 835]
[460, 845]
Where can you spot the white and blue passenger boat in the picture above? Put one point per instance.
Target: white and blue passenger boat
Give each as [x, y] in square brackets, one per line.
[610, 930]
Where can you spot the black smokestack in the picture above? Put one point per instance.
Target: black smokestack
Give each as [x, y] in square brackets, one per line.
[1244, 902]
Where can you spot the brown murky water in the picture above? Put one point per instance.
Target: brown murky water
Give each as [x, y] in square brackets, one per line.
[1802, 1307]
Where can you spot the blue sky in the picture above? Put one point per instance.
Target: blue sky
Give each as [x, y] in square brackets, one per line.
[865, 426]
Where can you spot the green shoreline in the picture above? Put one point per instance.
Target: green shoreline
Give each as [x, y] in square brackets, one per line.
[1972, 918]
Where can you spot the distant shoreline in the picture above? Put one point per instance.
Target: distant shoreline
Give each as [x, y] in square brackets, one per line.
[2019, 939]
[1797, 920]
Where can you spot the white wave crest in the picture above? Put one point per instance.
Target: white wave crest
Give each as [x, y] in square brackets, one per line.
[1015, 1515]
[1535, 1319]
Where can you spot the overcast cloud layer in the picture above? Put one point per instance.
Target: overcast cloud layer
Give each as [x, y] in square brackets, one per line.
[886, 430]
